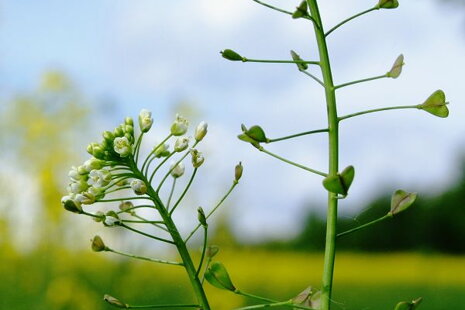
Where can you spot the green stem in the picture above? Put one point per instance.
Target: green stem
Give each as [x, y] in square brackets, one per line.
[361, 81]
[145, 234]
[297, 135]
[162, 306]
[213, 210]
[184, 192]
[238, 292]
[270, 305]
[154, 260]
[137, 148]
[349, 19]
[313, 77]
[244, 59]
[283, 11]
[205, 237]
[153, 151]
[291, 162]
[387, 216]
[158, 167]
[135, 207]
[378, 110]
[142, 221]
[333, 126]
[121, 199]
[168, 202]
[117, 189]
[154, 224]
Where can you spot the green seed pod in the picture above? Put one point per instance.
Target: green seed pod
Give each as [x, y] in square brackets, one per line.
[387, 4]
[396, 69]
[212, 250]
[405, 305]
[341, 182]
[231, 55]
[401, 201]
[115, 302]
[98, 245]
[436, 104]
[218, 276]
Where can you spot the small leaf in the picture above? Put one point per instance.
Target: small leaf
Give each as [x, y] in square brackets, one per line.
[231, 55]
[218, 276]
[396, 69]
[387, 4]
[436, 104]
[405, 305]
[301, 10]
[341, 182]
[401, 201]
[296, 57]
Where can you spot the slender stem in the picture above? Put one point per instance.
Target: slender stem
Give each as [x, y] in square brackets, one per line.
[173, 185]
[283, 11]
[378, 110]
[158, 167]
[117, 189]
[137, 148]
[121, 199]
[238, 292]
[213, 210]
[205, 237]
[184, 192]
[142, 221]
[387, 216]
[270, 305]
[154, 224]
[135, 207]
[291, 162]
[207, 264]
[162, 306]
[349, 19]
[145, 234]
[361, 81]
[174, 166]
[153, 151]
[297, 135]
[154, 260]
[313, 77]
[280, 61]
[333, 126]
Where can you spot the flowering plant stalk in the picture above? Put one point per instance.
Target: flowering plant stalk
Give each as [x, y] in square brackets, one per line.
[115, 167]
[337, 182]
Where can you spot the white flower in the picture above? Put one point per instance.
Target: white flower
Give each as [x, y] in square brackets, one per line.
[77, 187]
[122, 146]
[201, 131]
[197, 158]
[162, 150]
[138, 187]
[177, 171]
[74, 174]
[181, 144]
[99, 178]
[179, 126]
[145, 120]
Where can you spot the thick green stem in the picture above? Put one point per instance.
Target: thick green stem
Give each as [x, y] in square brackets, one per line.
[333, 126]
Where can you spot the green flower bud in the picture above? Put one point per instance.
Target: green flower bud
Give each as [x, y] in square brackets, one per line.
[201, 131]
[118, 132]
[179, 126]
[218, 276]
[93, 164]
[231, 55]
[396, 69]
[436, 104]
[301, 10]
[238, 172]
[387, 4]
[201, 217]
[108, 135]
[98, 152]
[122, 146]
[115, 302]
[129, 129]
[181, 144]
[98, 245]
[197, 158]
[138, 187]
[145, 120]
[341, 182]
[71, 204]
[401, 201]
[129, 121]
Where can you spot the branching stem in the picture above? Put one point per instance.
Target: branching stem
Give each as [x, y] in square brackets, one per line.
[361, 81]
[349, 19]
[377, 110]
[297, 135]
[387, 216]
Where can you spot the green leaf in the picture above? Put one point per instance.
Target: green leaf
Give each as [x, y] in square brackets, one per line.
[405, 305]
[301, 10]
[396, 69]
[231, 55]
[401, 201]
[296, 57]
[341, 182]
[436, 104]
[387, 4]
[218, 276]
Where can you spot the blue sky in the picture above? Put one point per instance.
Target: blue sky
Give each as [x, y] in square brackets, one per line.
[151, 54]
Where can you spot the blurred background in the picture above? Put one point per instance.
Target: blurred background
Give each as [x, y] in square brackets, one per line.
[70, 70]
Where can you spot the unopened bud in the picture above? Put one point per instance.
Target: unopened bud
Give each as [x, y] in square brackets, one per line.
[126, 206]
[129, 121]
[122, 146]
[238, 172]
[231, 55]
[201, 217]
[145, 120]
[387, 4]
[201, 131]
[177, 171]
[111, 219]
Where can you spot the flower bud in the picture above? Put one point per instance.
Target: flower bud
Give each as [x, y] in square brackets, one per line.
[179, 126]
[201, 131]
[341, 182]
[162, 150]
[197, 158]
[114, 302]
[201, 217]
[85, 198]
[128, 121]
[118, 132]
[98, 192]
[129, 129]
[122, 146]
[218, 276]
[99, 178]
[74, 174]
[231, 55]
[138, 187]
[177, 171]
[108, 136]
[238, 172]
[145, 120]
[78, 187]
[212, 250]
[98, 245]
[387, 4]
[181, 144]
[436, 104]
